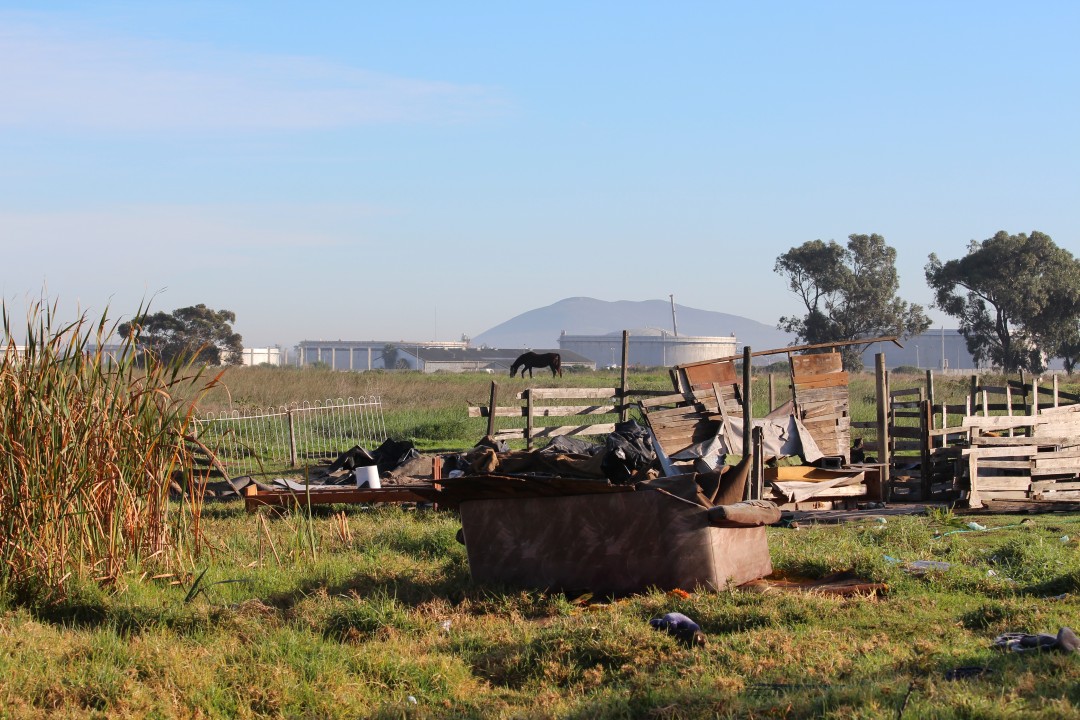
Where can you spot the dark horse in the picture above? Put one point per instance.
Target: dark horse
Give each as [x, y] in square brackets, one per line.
[530, 360]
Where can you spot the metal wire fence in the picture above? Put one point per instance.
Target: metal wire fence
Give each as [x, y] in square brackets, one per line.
[262, 441]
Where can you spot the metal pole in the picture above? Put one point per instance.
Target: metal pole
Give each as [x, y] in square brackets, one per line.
[748, 400]
[623, 388]
[674, 325]
[292, 439]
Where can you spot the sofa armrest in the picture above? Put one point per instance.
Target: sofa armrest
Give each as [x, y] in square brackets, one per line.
[752, 513]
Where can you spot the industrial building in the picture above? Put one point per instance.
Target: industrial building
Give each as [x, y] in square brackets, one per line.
[425, 356]
[942, 350]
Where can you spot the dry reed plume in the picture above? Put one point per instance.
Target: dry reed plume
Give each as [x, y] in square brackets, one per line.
[90, 445]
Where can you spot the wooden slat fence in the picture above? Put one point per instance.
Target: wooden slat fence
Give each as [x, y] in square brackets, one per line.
[681, 419]
[1024, 456]
[543, 405]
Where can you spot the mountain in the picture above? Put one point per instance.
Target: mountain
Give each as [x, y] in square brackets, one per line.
[540, 328]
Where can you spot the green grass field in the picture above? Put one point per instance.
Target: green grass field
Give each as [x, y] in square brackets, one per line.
[370, 612]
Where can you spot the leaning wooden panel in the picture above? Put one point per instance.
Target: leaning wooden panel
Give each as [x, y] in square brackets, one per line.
[822, 397]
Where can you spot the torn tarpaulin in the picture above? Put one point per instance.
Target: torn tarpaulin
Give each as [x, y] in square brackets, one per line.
[629, 450]
[783, 433]
[1064, 641]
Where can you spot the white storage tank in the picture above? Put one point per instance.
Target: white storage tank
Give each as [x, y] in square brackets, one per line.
[649, 347]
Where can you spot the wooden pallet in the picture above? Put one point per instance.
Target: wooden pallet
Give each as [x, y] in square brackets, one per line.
[255, 498]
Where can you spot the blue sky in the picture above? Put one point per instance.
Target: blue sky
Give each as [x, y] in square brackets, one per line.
[406, 170]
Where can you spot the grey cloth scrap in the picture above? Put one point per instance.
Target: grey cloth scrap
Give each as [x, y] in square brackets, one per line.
[1064, 641]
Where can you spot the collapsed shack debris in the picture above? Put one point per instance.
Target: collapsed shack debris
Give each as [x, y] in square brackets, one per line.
[406, 472]
[626, 457]
[704, 425]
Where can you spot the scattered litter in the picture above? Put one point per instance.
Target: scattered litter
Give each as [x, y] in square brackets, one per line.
[1062, 596]
[1065, 641]
[968, 672]
[445, 625]
[976, 527]
[1064, 538]
[681, 627]
[678, 593]
[881, 521]
[921, 567]
[411, 699]
[784, 687]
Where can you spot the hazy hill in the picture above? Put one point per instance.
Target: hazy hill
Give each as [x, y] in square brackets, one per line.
[540, 328]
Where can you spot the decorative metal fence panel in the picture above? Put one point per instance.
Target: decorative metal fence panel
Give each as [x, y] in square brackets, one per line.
[268, 440]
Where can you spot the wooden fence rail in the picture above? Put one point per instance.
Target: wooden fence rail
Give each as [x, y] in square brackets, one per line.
[612, 402]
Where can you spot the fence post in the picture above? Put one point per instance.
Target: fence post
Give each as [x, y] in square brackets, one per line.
[528, 419]
[758, 464]
[927, 437]
[491, 409]
[748, 400]
[622, 381]
[882, 390]
[748, 418]
[292, 438]
[772, 392]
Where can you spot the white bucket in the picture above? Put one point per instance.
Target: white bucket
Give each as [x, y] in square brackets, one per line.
[368, 475]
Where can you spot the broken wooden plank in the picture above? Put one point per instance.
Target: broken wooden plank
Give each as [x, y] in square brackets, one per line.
[997, 484]
[1057, 464]
[722, 372]
[994, 441]
[1002, 422]
[553, 431]
[1000, 452]
[820, 382]
[816, 363]
[996, 464]
[1054, 485]
[1067, 496]
[1005, 495]
[569, 393]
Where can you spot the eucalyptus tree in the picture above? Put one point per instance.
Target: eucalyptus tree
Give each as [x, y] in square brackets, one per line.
[849, 292]
[197, 333]
[1016, 297]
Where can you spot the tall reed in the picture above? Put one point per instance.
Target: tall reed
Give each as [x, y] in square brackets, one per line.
[90, 446]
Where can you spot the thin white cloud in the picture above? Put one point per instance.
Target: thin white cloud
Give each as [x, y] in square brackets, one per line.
[59, 78]
[118, 233]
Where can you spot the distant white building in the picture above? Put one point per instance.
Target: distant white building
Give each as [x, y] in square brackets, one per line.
[275, 356]
[367, 354]
[425, 356]
[932, 350]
